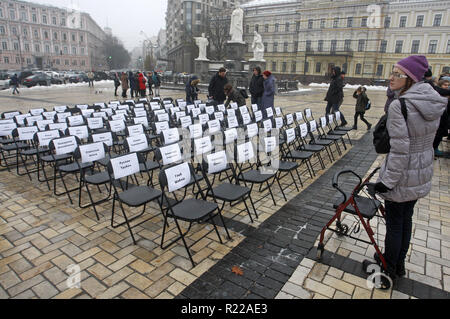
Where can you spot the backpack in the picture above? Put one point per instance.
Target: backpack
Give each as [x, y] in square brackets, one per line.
[381, 138]
[369, 105]
[244, 93]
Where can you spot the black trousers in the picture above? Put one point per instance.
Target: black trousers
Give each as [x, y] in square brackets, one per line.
[360, 114]
[124, 93]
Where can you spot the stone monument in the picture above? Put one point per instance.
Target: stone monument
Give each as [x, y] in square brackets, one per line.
[258, 54]
[202, 62]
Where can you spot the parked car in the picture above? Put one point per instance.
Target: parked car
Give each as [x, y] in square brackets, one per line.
[100, 76]
[55, 80]
[40, 79]
[4, 81]
[23, 75]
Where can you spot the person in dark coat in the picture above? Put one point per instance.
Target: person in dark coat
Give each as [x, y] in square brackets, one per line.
[156, 80]
[14, 82]
[257, 86]
[133, 89]
[442, 131]
[335, 93]
[233, 96]
[150, 83]
[192, 89]
[361, 102]
[268, 98]
[216, 86]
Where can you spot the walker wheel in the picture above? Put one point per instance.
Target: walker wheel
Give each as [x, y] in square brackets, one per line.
[342, 230]
[320, 251]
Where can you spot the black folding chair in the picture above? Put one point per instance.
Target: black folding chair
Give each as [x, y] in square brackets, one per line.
[290, 151]
[180, 208]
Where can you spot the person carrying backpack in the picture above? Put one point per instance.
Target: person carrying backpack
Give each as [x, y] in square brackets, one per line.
[156, 79]
[407, 171]
[14, 82]
[362, 103]
[233, 96]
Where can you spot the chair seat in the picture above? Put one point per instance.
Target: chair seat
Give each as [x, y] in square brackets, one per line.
[299, 155]
[339, 133]
[193, 209]
[230, 192]
[34, 151]
[255, 176]
[74, 167]
[139, 195]
[332, 137]
[313, 148]
[14, 146]
[367, 206]
[323, 142]
[55, 158]
[343, 129]
[286, 166]
[97, 179]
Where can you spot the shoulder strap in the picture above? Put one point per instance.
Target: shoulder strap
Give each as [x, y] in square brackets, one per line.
[404, 109]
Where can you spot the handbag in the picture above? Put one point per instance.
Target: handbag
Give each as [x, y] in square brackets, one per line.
[381, 138]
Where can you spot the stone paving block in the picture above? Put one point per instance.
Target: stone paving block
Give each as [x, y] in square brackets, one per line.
[138, 281]
[176, 288]
[134, 293]
[426, 280]
[361, 293]
[336, 273]
[117, 276]
[99, 271]
[354, 280]
[86, 254]
[69, 294]
[284, 296]
[9, 279]
[45, 290]
[122, 262]
[319, 288]
[26, 295]
[159, 286]
[55, 275]
[182, 276]
[71, 250]
[20, 266]
[114, 291]
[36, 270]
[296, 291]
[93, 287]
[339, 284]
[341, 296]
[44, 258]
[104, 258]
[433, 270]
[160, 271]
[398, 295]
[164, 296]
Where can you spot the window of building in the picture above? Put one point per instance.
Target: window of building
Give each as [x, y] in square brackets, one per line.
[58, 61]
[47, 48]
[318, 67]
[17, 60]
[437, 20]
[34, 18]
[320, 46]
[265, 47]
[383, 46]
[27, 47]
[402, 21]
[419, 21]
[73, 37]
[297, 26]
[55, 36]
[37, 48]
[415, 46]
[266, 28]
[63, 22]
[387, 22]
[361, 45]
[28, 61]
[344, 67]
[364, 22]
[358, 68]
[256, 29]
[23, 16]
[82, 51]
[46, 35]
[14, 30]
[64, 37]
[74, 50]
[1, 12]
[379, 69]
[274, 66]
[310, 23]
[83, 63]
[66, 50]
[285, 47]
[2, 30]
[296, 46]
[333, 45]
[44, 19]
[247, 29]
[5, 45]
[294, 67]
[306, 67]
[36, 34]
[398, 46]
[349, 22]
[432, 46]
[322, 23]
[12, 14]
[56, 49]
[6, 59]
[308, 45]
[66, 62]
[54, 21]
[284, 67]
[446, 69]
[448, 47]
[275, 47]
[277, 27]
[287, 26]
[336, 23]
[74, 62]
[25, 31]
[16, 46]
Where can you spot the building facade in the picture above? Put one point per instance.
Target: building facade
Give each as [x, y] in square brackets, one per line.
[186, 19]
[305, 39]
[47, 37]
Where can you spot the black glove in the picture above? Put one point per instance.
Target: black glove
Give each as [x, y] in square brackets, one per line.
[381, 188]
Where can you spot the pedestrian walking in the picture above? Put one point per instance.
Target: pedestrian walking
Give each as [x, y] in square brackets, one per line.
[407, 171]
[361, 104]
[116, 83]
[14, 82]
[192, 89]
[233, 96]
[91, 77]
[156, 79]
[216, 86]
[268, 98]
[124, 80]
[133, 85]
[150, 83]
[444, 123]
[335, 94]
[256, 86]
[142, 83]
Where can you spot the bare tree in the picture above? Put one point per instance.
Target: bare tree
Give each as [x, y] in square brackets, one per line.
[217, 29]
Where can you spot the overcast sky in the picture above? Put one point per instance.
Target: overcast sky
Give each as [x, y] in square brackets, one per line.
[126, 18]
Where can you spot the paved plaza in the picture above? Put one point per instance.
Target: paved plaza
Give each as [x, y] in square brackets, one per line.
[42, 235]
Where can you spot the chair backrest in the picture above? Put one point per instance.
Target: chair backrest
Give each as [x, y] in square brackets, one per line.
[20, 119]
[232, 121]
[57, 126]
[202, 146]
[214, 126]
[203, 119]
[252, 130]
[267, 125]
[43, 138]
[124, 166]
[25, 133]
[290, 136]
[106, 138]
[91, 152]
[60, 109]
[245, 153]
[308, 115]
[159, 127]
[195, 131]
[29, 121]
[168, 155]
[299, 118]
[43, 124]
[64, 145]
[219, 116]
[95, 123]
[136, 143]
[10, 114]
[141, 120]
[7, 129]
[116, 126]
[61, 117]
[176, 177]
[82, 132]
[289, 119]
[215, 163]
[35, 112]
[230, 136]
[185, 121]
[303, 130]
[170, 136]
[279, 122]
[258, 116]
[49, 115]
[133, 130]
[246, 118]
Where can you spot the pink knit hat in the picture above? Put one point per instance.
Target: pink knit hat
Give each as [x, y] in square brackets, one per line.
[414, 66]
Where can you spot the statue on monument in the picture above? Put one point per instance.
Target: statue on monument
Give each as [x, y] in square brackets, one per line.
[258, 48]
[202, 43]
[237, 25]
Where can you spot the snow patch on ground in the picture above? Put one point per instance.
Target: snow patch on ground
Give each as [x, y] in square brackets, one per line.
[61, 86]
[350, 87]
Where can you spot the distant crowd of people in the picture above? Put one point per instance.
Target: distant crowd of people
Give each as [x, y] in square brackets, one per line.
[138, 83]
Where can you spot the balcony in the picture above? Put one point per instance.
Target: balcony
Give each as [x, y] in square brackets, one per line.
[329, 52]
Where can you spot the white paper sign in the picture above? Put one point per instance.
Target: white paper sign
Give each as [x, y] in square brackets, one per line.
[308, 113]
[338, 116]
[60, 109]
[245, 152]
[95, 123]
[221, 108]
[76, 120]
[155, 106]
[9, 121]
[124, 107]
[202, 106]
[10, 115]
[278, 111]
[190, 107]
[303, 130]
[104, 138]
[323, 121]
[92, 152]
[203, 145]
[137, 143]
[135, 130]
[182, 104]
[195, 131]
[163, 117]
[178, 176]
[246, 119]
[108, 111]
[290, 135]
[230, 135]
[44, 138]
[62, 116]
[118, 117]
[179, 115]
[214, 126]
[87, 112]
[258, 116]
[117, 126]
[82, 106]
[26, 133]
[58, 126]
[209, 110]
[313, 126]
[270, 144]
[196, 112]
[49, 115]
[170, 154]
[65, 145]
[289, 119]
[330, 119]
[234, 105]
[269, 112]
[21, 118]
[33, 119]
[117, 112]
[243, 109]
[254, 108]
[299, 116]
[79, 131]
[203, 118]
[217, 162]
[218, 116]
[125, 165]
[140, 112]
[279, 122]
[171, 136]
[231, 112]
[141, 120]
[233, 122]
[267, 125]
[35, 112]
[161, 126]
[42, 124]
[252, 130]
[6, 129]
[185, 121]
